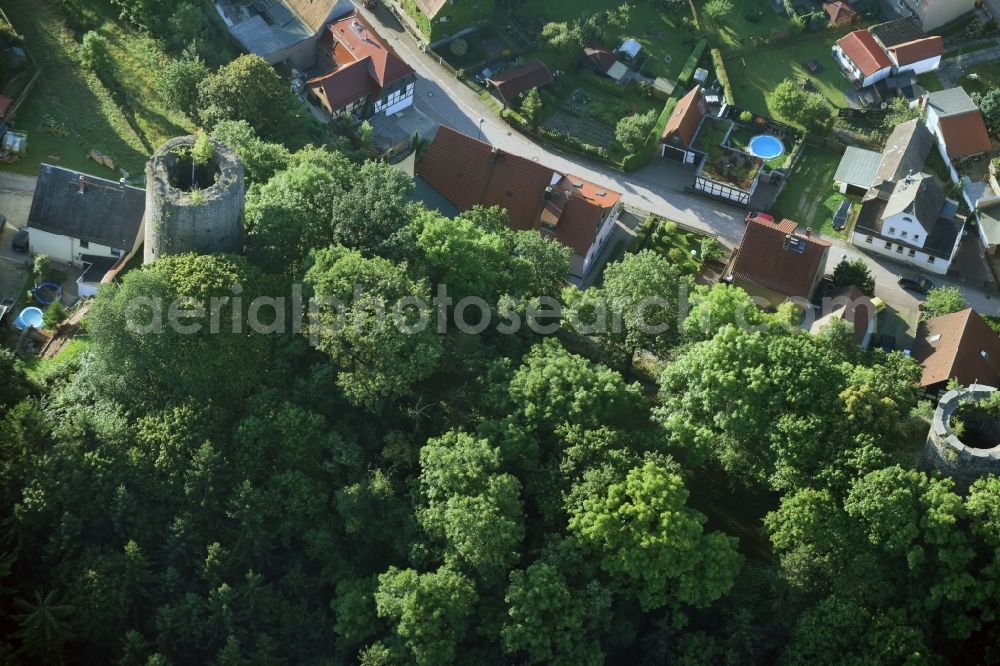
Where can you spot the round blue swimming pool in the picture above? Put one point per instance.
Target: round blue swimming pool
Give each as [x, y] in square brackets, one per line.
[766, 147]
[28, 317]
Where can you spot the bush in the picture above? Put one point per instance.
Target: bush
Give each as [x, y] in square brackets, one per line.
[94, 52]
[459, 47]
[944, 300]
[676, 255]
[632, 132]
[54, 315]
[746, 117]
[723, 76]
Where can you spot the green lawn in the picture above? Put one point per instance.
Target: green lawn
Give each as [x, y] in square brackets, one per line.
[656, 29]
[120, 115]
[748, 18]
[931, 81]
[809, 197]
[755, 74]
[37, 368]
[981, 78]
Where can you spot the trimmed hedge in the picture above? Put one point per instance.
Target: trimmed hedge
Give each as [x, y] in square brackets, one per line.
[723, 76]
[692, 63]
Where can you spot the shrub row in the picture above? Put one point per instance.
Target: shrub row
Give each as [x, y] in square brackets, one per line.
[723, 76]
[692, 64]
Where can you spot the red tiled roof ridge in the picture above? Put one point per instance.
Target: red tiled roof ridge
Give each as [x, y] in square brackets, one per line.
[861, 47]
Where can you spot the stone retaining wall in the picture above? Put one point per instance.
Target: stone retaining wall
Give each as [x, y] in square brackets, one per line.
[947, 453]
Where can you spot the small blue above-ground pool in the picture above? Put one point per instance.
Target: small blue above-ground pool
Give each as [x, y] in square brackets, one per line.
[28, 317]
[766, 147]
[47, 293]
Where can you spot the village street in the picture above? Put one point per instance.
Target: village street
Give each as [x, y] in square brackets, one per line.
[653, 188]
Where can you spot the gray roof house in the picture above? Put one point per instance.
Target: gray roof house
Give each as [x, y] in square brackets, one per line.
[913, 222]
[857, 169]
[951, 102]
[920, 196]
[986, 204]
[74, 214]
[905, 152]
[281, 30]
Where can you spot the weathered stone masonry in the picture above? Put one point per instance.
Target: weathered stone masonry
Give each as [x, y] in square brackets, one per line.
[205, 221]
[947, 453]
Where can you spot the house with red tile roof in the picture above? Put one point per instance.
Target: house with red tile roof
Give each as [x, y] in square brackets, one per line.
[682, 127]
[776, 263]
[468, 172]
[510, 85]
[840, 12]
[917, 56]
[862, 59]
[958, 125]
[957, 346]
[367, 78]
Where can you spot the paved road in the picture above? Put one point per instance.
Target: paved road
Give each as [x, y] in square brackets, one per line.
[448, 101]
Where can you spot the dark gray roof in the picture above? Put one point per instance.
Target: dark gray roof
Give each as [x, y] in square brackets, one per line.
[107, 212]
[98, 267]
[920, 196]
[905, 152]
[940, 240]
[897, 32]
[858, 167]
[951, 102]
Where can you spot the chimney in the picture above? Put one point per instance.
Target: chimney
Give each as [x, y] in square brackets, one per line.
[82, 183]
[809, 232]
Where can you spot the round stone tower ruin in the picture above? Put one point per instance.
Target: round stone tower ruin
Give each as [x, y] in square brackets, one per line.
[964, 461]
[193, 208]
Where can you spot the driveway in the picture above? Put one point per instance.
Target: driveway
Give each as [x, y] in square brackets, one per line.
[15, 203]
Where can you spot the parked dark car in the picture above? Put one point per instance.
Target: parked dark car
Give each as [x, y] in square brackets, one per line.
[842, 215]
[917, 283]
[886, 343]
[20, 242]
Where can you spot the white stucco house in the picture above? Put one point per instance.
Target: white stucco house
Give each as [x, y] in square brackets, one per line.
[862, 60]
[932, 14]
[957, 125]
[84, 220]
[911, 221]
[918, 56]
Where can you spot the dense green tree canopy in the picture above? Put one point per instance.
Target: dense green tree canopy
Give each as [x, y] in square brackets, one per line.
[366, 489]
[249, 89]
